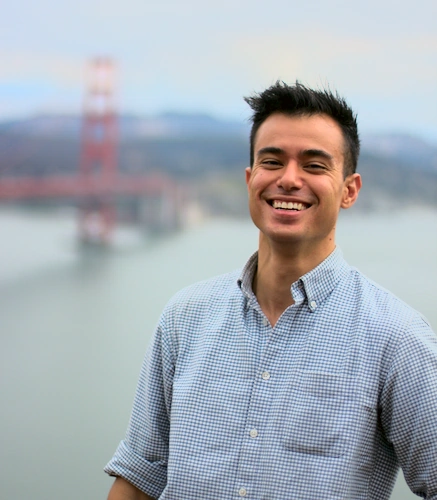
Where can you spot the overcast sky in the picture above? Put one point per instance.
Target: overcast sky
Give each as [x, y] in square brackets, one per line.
[196, 56]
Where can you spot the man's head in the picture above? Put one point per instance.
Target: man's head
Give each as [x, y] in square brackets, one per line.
[298, 100]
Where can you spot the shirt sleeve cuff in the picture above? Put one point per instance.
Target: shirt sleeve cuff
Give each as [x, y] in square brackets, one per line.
[148, 477]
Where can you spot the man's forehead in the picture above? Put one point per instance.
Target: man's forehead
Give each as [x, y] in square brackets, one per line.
[315, 129]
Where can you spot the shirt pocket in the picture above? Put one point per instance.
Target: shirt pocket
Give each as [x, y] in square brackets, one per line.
[321, 414]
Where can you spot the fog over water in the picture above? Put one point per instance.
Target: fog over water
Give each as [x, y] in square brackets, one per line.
[75, 328]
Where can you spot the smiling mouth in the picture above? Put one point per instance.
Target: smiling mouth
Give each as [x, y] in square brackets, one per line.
[288, 205]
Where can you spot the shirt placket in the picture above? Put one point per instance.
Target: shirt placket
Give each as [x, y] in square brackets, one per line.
[257, 422]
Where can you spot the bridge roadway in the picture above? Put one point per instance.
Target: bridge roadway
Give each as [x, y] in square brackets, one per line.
[21, 188]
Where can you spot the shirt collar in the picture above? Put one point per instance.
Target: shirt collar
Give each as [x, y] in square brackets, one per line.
[321, 281]
[317, 284]
[246, 277]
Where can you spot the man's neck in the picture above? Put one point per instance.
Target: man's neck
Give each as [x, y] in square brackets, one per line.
[278, 268]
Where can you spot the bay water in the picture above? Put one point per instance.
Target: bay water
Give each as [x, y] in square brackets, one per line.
[75, 327]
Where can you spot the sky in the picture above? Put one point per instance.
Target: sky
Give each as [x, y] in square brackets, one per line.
[203, 57]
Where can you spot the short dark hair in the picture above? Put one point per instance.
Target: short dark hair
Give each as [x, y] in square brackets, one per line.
[298, 100]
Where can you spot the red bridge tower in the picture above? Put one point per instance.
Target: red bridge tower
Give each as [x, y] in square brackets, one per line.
[99, 151]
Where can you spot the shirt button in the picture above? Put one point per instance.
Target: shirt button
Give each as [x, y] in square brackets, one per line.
[242, 492]
[253, 433]
[313, 304]
[265, 375]
[265, 321]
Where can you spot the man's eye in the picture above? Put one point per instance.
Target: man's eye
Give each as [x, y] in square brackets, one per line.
[270, 162]
[316, 166]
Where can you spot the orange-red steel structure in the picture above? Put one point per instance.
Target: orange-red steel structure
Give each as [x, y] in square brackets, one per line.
[99, 150]
[98, 182]
[24, 188]
[99, 129]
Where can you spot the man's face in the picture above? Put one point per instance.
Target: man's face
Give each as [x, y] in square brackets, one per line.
[296, 185]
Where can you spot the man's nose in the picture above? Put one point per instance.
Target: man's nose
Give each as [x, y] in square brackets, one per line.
[290, 177]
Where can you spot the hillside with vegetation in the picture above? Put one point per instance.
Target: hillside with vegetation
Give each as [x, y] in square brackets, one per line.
[208, 156]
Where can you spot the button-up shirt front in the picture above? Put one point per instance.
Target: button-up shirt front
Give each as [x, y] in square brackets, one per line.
[325, 405]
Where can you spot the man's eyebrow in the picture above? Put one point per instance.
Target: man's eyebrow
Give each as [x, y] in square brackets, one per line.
[305, 153]
[316, 152]
[270, 150]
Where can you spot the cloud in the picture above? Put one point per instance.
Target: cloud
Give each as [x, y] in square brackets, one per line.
[205, 56]
[368, 65]
[28, 65]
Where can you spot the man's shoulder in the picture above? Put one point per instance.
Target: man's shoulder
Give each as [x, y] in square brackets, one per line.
[381, 304]
[214, 289]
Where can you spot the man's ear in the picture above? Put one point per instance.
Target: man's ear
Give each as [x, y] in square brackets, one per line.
[352, 186]
[248, 174]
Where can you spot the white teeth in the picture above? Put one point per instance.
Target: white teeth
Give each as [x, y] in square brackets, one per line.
[288, 206]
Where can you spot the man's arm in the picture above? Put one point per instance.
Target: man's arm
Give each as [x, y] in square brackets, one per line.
[123, 490]
[141, 458]
[409, 408]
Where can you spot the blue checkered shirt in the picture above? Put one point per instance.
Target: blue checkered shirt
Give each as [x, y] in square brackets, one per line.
[326, 405]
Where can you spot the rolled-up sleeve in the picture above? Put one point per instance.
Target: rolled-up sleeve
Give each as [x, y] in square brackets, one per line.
[141, 458]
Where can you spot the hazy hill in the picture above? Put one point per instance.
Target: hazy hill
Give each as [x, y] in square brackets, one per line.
[405, 149]
[130, 127]
[210, 155]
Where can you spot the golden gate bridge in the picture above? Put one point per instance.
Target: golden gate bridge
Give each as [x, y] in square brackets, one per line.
[98, 183]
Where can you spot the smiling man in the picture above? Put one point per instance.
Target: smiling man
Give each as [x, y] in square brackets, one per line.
[297, 377]
[297, 184]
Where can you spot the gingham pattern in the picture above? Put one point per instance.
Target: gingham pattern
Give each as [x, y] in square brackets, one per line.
[325, 405]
